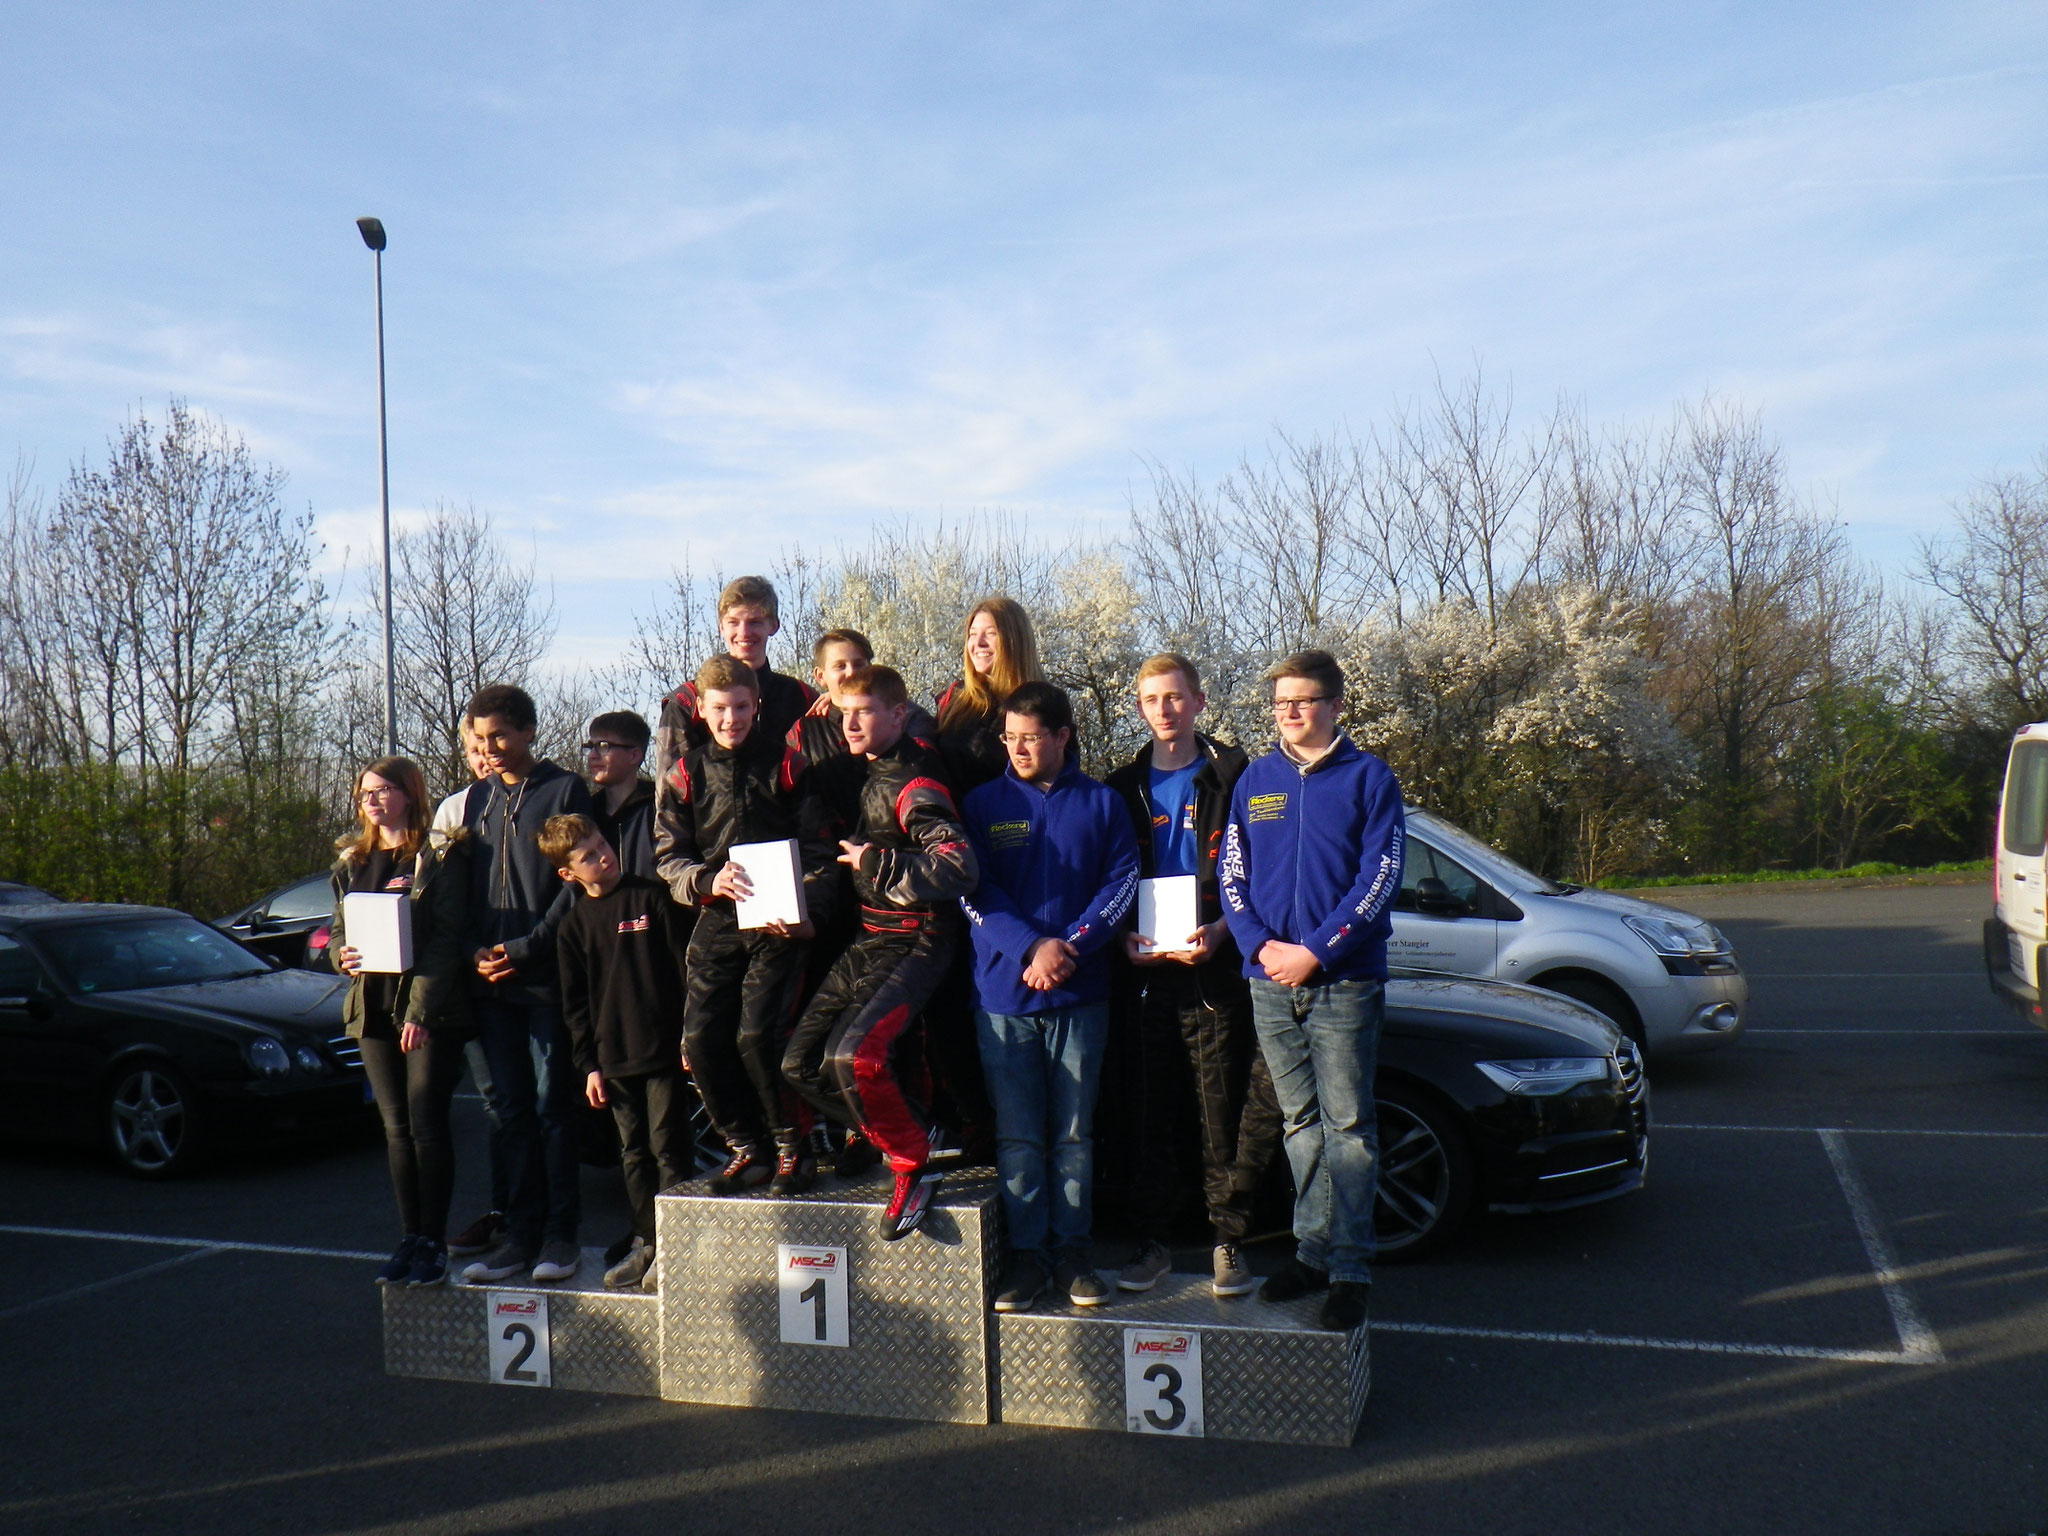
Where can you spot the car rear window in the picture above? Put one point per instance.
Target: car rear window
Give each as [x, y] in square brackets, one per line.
[2026, 799]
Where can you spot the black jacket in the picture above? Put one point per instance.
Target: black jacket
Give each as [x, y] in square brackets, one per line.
[1213, 782]
[516, 898]
[432, 993]
[783, 701]
[756, 793]
[819, 736]
[631, 832]
[621, 961]
[918, 857]
[973, 752]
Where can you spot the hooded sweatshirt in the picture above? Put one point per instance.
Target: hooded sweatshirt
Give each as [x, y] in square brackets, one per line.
[516, 898]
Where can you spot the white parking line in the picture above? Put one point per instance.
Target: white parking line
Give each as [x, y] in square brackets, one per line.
[111, 1281]
[1801, 1031]
[218, 1245]
[1862, 975]
[1916, 1339]
[1685, 1346]
[1852, 1130]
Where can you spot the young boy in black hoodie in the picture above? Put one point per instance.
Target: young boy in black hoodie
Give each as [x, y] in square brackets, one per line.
[743, 784]
[620, 953]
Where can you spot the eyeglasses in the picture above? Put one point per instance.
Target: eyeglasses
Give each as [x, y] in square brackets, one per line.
[1298, 706]
[1027, 739]
[600, 748]
[381, 792]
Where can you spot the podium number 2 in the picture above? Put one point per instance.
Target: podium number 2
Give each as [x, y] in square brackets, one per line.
[1163, 1381]
[811, 1295]
[517, 1333]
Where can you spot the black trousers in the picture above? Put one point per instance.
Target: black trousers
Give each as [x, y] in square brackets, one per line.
[1200, 1053]
[652, 1113]
[959, 1091]
[743, 992]
[857, 1053]
[414, 1090]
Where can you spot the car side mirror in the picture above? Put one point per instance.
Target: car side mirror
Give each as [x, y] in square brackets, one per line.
[1435, 898]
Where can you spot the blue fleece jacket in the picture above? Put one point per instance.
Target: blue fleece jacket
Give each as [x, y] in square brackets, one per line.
[1312, 856]
[1055, 864]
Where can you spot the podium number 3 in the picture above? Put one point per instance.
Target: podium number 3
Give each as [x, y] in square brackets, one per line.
[1167, 1379]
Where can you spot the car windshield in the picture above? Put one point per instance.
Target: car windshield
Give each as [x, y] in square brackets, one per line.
[1457, 840]
[129, 955]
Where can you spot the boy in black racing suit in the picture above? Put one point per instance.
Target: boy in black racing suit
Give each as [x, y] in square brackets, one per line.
[742, 786]
[856, 1053]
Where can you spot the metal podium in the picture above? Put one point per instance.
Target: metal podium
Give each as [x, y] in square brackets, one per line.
[799, 1303]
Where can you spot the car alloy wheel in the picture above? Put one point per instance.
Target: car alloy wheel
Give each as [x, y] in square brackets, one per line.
[1425, 1175]
[149, 1120]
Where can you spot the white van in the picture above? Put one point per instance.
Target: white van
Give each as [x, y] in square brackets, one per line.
[2016, 931]
[1668, 978]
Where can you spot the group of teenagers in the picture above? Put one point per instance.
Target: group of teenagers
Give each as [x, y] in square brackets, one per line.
[966, 959]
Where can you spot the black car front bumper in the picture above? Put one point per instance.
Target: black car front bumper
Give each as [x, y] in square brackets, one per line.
[1557, 1151]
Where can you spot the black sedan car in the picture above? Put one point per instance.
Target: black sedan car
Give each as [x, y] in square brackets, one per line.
[14, 894]
[290, 924]
[154, 1034]
[1501, 1096]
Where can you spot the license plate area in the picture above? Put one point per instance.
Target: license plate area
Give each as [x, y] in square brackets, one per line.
[2016, 949]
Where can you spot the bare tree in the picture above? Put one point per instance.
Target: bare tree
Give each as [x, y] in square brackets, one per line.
[1993, 567]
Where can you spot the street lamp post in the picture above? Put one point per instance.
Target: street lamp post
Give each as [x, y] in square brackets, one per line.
[373, 237]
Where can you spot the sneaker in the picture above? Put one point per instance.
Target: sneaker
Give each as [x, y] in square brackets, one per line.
[559, 1261]
[907, 1207]
[1023, 1283]
[621, 1248]
[795, 1172]
[747, 1170]
[1344, 1307]
[480, 1236]
[429, 1264]
[857, 1159]
[819, 1143]
[400, 1263]
[1293, 1281]
[631, 1270]
[1232, 1278]
[501, 1263]
[943, 1146]
[650, 1283]
[1084, 1287]
[1148, 1265]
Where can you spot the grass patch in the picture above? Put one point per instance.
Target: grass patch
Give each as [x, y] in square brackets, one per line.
[1853, 872]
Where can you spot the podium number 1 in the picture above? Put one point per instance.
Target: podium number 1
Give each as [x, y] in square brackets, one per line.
[519, 1339]
[810, 1295]
[1163, 1381]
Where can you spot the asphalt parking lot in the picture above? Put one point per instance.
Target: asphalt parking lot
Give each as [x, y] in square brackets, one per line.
[1828, 1311]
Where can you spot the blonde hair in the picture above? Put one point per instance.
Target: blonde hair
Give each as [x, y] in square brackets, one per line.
[357, 846]
[749, 592]
[978, 698]
[1165, 662]
[727, 672]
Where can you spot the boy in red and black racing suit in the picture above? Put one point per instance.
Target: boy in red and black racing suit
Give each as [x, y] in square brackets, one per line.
[856, 1054]
[743, 785]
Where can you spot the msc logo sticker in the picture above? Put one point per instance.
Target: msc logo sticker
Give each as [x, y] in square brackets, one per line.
[1266, 807]
[1009, 834]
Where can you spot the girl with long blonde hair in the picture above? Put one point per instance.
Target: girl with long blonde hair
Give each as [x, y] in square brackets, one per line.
[998, 655]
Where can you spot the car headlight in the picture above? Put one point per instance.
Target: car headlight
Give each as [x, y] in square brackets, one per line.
[308, 1059]
[1551, 1074]
[268, 1057]
[1668, 936]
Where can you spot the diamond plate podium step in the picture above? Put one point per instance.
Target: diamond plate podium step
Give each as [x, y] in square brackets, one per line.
[799, 1303]
[594, 1340]
[1230, 1369]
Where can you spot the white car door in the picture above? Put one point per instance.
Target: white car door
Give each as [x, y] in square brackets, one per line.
[2020, 869]
[1437, 921]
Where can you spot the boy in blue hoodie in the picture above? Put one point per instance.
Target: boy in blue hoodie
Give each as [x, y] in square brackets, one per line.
[1311, 864]
[1058, 870]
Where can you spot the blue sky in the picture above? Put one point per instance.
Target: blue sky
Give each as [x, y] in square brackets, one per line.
[729, 277]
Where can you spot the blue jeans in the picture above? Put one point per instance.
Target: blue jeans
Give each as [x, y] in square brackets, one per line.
[494, 1122]
[536, 1083]
[1321, 1045]
[1042, 1070]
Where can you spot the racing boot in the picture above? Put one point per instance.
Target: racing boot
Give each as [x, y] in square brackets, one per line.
[795, 1171]
[749, 1169]
[907, 1207]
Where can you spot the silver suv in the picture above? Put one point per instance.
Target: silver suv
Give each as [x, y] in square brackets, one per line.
[1669, 979]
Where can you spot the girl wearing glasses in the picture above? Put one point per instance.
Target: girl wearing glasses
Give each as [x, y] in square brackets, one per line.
[411, 1024]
